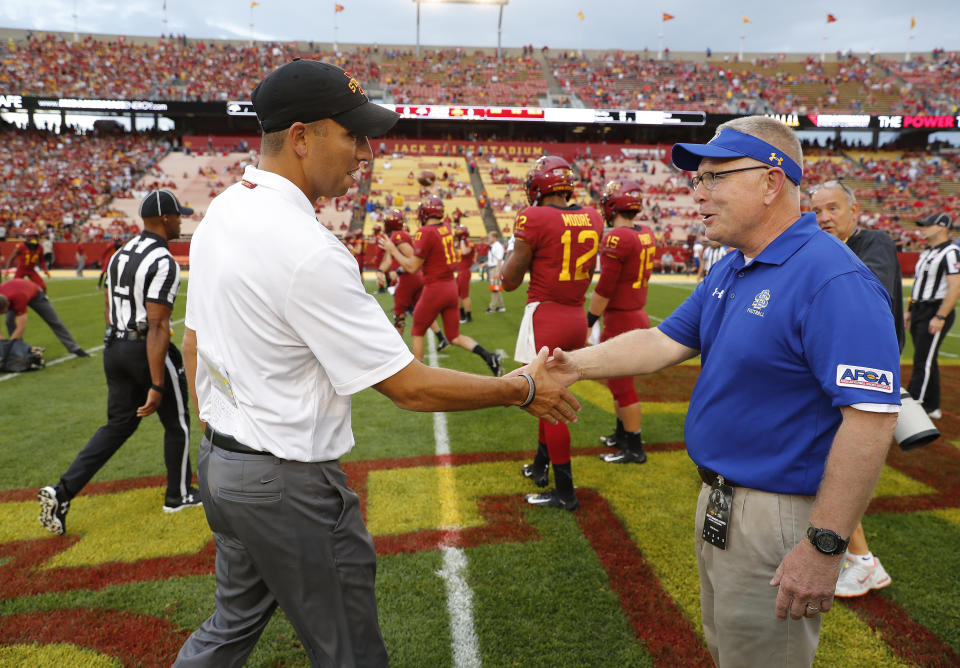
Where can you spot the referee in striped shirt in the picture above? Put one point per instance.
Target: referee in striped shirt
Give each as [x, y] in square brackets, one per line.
[935, 290]
[144, 369]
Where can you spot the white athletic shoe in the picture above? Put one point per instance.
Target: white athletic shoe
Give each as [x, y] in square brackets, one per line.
[857, 578]
[935, 414]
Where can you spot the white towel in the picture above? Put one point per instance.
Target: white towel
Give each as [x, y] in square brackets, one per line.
[595, 333]
[526, 350]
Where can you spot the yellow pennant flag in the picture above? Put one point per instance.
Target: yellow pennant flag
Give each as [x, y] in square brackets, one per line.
[913, 22]
[253, 4]
[746, 20]
[580, 15]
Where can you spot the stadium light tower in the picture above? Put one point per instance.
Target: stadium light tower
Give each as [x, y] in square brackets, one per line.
[465, 2]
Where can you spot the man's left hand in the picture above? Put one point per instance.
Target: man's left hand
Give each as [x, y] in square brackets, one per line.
[807, 581]
[154, 399]
[936, 324]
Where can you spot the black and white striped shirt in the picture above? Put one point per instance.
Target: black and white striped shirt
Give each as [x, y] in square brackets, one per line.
[711, 256]
[140, 272]
[933, 266]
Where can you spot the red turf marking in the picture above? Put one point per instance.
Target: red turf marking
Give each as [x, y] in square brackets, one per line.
[504, 524]
[656, 619]
[92, 489]
[137, 640]
[21, 577]
[909, 640]
[936, 465]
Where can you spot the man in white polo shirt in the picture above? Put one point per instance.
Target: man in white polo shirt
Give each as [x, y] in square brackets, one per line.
[279, 333]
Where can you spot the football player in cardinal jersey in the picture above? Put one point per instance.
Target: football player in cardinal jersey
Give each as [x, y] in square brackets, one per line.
[626, 262]
[468, 255]
[30, 256]
[435, 251]
[409, 285]
[558, 243]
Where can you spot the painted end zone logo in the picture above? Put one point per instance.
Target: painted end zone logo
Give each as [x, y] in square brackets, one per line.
[864, 378]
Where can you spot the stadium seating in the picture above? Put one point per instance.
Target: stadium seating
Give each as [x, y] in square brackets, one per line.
[211, 70]
[62, 180]
[394, 184]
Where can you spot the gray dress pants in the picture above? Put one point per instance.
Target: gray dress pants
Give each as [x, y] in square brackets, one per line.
[288, 534]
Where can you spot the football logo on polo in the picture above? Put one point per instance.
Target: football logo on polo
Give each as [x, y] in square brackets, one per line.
[864, 378]
[760, 302]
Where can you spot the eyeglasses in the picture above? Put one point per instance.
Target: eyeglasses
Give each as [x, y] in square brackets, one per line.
[709, 179]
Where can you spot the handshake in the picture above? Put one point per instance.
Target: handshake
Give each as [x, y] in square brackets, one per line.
[548, 377]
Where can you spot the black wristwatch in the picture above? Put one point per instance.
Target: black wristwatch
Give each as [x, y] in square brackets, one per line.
[826, 541]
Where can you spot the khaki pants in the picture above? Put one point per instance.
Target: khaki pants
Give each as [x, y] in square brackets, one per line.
[736, 599]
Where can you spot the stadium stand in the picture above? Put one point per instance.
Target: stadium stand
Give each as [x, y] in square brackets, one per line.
[59, 181]
[394, 184]
[177, 69]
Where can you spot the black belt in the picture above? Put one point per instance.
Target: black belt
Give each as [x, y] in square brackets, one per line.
[225, 442]
[710, 477]
[131, 335]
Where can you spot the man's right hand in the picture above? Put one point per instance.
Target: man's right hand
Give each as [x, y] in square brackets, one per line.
[553, 401]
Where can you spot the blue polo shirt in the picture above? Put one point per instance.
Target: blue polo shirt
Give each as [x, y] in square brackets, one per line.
[785, 342]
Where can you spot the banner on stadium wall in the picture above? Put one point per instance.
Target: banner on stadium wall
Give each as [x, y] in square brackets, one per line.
[645, 117]
[517, 149]
[501, 149]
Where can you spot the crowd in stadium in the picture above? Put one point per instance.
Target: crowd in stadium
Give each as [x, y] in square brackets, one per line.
[59, 180]
[175, 68]
[47, 183]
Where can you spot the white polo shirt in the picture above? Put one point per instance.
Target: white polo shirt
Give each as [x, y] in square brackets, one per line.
[495, 254]
[285, 330]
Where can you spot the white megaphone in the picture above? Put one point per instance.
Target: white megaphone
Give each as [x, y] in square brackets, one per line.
[914, 426]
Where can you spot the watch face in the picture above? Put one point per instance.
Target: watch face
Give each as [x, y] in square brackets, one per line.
[827, 542]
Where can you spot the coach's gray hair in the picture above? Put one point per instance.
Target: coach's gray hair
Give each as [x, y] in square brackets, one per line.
[836, 184]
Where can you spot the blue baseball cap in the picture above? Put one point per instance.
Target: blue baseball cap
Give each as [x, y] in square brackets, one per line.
[729, 144]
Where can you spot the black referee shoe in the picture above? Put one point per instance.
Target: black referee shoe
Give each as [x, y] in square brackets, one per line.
[175, 504]
[53, 513]
[81, 353]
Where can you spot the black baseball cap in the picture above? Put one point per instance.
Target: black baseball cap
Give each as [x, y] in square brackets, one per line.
[941, 219]
[160, 203]
[308, 91]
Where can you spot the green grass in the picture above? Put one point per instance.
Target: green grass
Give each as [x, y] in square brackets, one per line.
[541, 598]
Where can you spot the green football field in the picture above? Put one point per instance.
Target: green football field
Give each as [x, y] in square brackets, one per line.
[468, 573]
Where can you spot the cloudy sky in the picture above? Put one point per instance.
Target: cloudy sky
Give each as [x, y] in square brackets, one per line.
[861, 25]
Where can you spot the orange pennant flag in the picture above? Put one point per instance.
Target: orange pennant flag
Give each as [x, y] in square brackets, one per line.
[253, 4]
[746, 20]
[580, 15]
[668, 17]
[338, 8]
[913, 22]
[831, 18]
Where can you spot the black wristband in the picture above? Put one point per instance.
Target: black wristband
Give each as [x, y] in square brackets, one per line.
[939, 317]
[158, 388]
[532, 392]
[592, 319]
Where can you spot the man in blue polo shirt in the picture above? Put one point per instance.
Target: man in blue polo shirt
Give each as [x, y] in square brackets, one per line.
[795, 405]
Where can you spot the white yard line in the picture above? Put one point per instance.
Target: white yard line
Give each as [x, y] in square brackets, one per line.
[463, 637]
